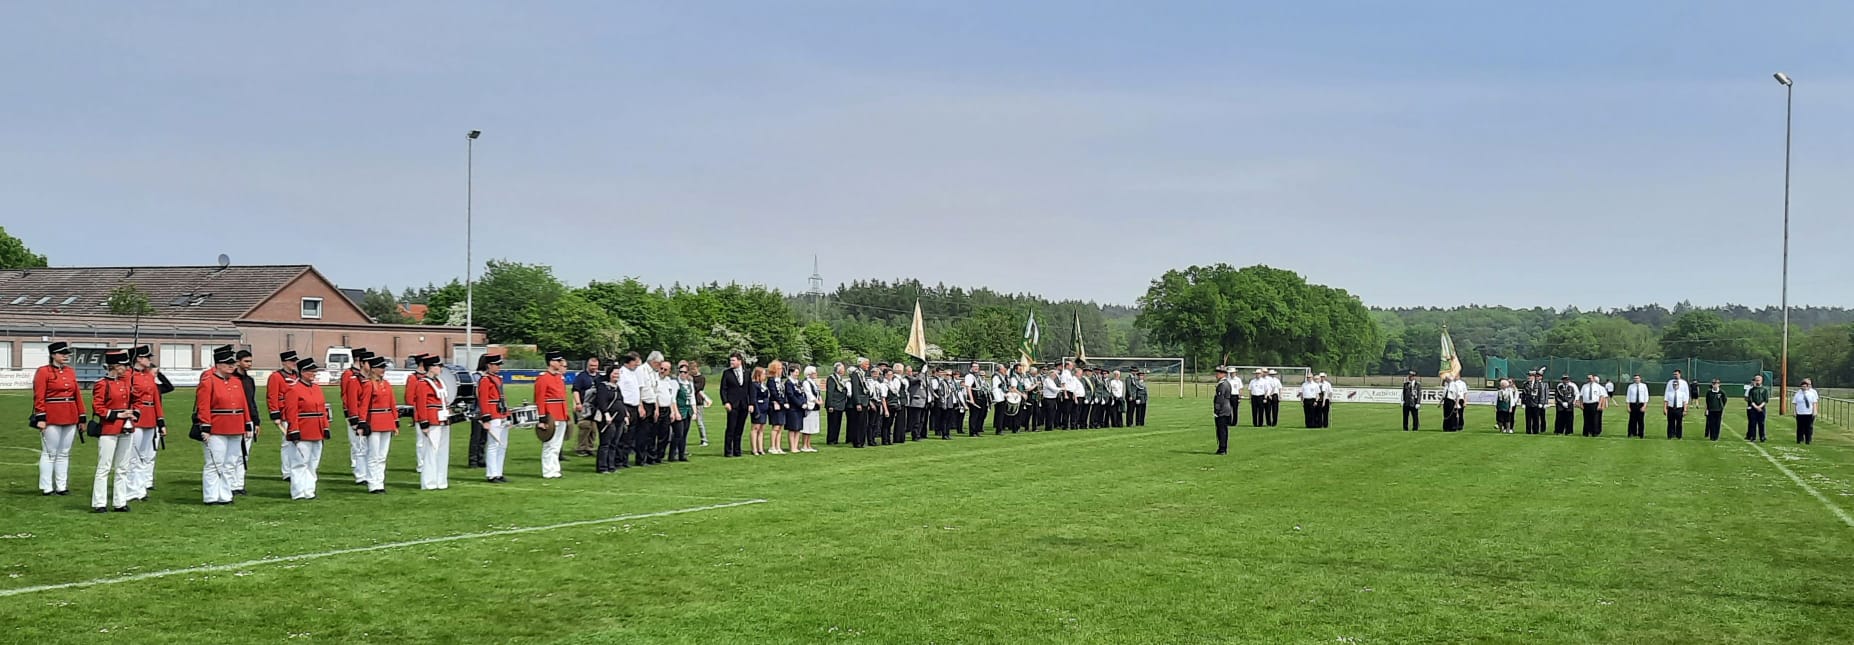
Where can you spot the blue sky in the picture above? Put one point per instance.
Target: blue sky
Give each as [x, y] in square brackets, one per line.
[1415, 153]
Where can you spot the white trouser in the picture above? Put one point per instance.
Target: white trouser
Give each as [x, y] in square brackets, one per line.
[142, 457]
[437, 473]
[378, 444]
[55, 457]
[289, 454]
[241, 453]
[550, 452]
[497, 450]
[700, 423]
[112, 454]
[422, 444]
[357, 454]
[305, 457]
[221, 459]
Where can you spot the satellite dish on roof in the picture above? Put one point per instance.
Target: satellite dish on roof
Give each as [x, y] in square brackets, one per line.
[224, 260]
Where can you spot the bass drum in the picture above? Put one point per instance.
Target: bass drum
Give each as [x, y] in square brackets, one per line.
[527, 416]
[1013, 402]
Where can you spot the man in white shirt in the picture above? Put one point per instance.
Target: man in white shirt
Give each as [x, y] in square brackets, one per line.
[667, 387]
[1674, 404]
[1638, 407]
[1116, 400]
[644, 414]
[1454, 403]
[1258, 399]
[1326, 400]
[1804, 406]
[1075, 393]
[1595, 398]
[1051, 403]
[1236, 394]
[1274, 397]
[1310, 402]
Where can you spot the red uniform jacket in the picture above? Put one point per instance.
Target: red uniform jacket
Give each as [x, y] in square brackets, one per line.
[422, 395]
[220, 404]
[276, 391]
[305, 408]
[353, 393]
[550, 395]
[489, 400]
[377, 402]
[110, 396]
[147, 395]
[55, 395]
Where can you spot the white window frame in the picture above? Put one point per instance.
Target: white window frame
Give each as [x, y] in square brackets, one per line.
[175, 356]
[318, 308]
[6, 355]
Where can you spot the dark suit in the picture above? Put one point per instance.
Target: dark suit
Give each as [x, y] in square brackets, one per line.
[1412, 405]
[860, 408]
[737, 394]
[1225, 414]
[835, 402]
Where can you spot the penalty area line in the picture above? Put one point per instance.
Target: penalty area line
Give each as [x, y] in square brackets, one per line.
[1845, 518]
[364, 549]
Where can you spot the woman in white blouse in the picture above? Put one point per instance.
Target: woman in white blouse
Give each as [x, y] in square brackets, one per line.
[813, 400]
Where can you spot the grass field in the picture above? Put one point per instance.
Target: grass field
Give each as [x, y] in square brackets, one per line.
[1355, 534]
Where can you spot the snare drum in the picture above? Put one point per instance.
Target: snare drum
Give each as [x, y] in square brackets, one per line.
[527, 416]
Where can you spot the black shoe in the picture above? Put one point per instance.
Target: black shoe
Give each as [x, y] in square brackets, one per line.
[99, 509]
[67, 491]
[381, 491]
[121, 509]
[238, 491]
[286, 478]
[45, 493]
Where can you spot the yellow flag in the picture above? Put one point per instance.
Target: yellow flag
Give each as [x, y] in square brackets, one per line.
[917, 336]
[1451, 364]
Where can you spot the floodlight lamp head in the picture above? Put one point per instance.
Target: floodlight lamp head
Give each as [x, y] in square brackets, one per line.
[474, 134]
[1783, 78]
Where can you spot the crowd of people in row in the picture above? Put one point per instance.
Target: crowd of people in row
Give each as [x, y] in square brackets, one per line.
[638, 411]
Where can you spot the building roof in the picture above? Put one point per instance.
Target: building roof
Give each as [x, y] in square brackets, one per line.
[74, 327]
[196, 293]
[414, 312]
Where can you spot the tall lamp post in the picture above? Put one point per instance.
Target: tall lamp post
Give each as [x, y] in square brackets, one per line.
[469, 262]
[1783, 376]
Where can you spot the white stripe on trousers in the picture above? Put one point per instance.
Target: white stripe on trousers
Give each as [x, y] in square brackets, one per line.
[112, 455]
[288, 452]
[357, 454]
[550, 452]
[437, 475]
[379, 444]
[141, 477]
[303, 465]
[221, 466]
[55, 457]
[497, 451]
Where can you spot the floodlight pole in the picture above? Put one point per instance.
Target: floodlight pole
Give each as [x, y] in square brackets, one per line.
[1783, 363]
[469, 261]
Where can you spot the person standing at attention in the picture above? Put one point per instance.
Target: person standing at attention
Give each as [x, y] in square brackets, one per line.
[1804, 402]
[1756, 397]
[737, 401]
[1715, 410]
[1412, 403]
[1221, 410]
[1638, 407]
[1595, 398]
[1674, 404]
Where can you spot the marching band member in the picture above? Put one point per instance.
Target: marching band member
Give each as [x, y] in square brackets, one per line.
[1310, 403]
[304, 423]
[354, 406]
[276, 391]
[225, 420]
[1000, 385]
[1136, 399]
[242, 371]
[380, 424]
[895, 425]
[916, 405]
[493, 412]
[1116, 400]
[426, 394]
[1052, 399]
[57, 411]
[109, 399]
[414, 384]
[146, 385]
[836, 402]
[551, 392]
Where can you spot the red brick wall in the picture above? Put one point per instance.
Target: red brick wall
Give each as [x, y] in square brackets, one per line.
[396, 344]
[286, 306]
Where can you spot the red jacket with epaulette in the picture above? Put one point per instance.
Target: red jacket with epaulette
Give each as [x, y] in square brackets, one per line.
[353, 395]
[276, 391]
[220, 404]
[305, 409]
[109, 399]
[377, 403]
[551, 395]
[422, 395]
[56, 395]
[146, 394]
[489, 400]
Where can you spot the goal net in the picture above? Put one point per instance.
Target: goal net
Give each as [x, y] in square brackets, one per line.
[1158, 370]
[1291, 377]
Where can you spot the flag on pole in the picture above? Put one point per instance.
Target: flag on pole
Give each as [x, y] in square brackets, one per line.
[1032, 336]
[1081, 354]
[1451, 364]
[917, 335]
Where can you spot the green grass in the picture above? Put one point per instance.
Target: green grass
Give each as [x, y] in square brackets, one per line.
[1358, 534]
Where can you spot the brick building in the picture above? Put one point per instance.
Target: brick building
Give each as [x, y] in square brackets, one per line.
[266, 308]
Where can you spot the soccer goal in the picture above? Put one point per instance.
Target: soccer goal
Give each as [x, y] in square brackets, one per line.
[1291, 377]
[1164, 369]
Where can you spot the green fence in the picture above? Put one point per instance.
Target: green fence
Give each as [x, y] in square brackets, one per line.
[1733, 374]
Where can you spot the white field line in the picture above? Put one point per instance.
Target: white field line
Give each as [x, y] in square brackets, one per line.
[31, 450]
[620, 493]
[364, 549]
[15, 463]
[1845, 518]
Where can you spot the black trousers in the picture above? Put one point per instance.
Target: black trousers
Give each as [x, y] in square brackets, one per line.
[611, 452]
[1593, 420]
[1326, 414]
[644, 434]
[1065, 414]
[943, 422]
[1805, 428]
[1451, 416]
[479, 436]
[1136, 414]
[1223, 434]
[736, 427]
[1676, 423]
[977, 426]
[877, 430]
[1274, 410]
[1565, 420]
[1714, 419]
[659, 450]
[1412, 417]
[1310, 413]
[679, 440]
[1258, 411]
[856, 423]
[1638, 420]
[1754, 424]
[1535, 420]
[833, 426]
[917, 422]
